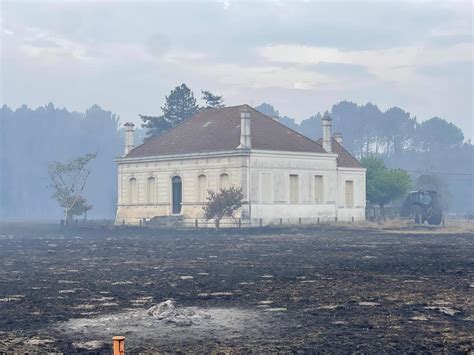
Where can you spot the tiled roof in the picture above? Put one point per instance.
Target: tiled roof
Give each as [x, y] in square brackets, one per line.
[344, 158]
[214, 130]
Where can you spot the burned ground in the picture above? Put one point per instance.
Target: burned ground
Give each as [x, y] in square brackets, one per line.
[333, 290]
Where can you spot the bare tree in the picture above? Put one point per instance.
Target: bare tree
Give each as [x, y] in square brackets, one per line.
[68, 181]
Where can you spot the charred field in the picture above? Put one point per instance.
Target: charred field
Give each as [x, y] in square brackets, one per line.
[265, 290]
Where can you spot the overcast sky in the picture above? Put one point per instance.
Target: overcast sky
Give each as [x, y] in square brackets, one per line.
[302, 57]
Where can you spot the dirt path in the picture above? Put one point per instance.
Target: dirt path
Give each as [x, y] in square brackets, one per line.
[274, 290]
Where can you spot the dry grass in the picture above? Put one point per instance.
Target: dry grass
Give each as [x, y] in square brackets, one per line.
[403, 226]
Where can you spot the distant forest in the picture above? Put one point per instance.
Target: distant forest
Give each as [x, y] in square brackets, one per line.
[31, 138]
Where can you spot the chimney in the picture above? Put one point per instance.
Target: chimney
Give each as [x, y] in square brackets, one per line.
[128, 137]
[338, 137]
[326, 121]
[245, 142]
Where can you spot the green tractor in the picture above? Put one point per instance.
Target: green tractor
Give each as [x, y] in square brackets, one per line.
[423, 206]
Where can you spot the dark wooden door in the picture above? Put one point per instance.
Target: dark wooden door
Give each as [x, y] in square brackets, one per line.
[177, 194]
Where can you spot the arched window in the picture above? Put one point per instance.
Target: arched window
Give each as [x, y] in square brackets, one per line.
[132, 191]
[224, 181]
[151, 190]
[201, 188]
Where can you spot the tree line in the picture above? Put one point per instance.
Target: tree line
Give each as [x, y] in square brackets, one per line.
[31, 139]
[433, 152]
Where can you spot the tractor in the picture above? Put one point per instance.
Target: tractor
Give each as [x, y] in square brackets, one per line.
[423, 206]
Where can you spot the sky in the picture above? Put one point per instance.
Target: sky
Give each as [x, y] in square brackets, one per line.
[300, 56]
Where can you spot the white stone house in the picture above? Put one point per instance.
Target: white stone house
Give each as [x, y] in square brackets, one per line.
[284, 175]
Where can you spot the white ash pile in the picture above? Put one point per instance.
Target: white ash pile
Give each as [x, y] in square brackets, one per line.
[158, 324]
[168, 312]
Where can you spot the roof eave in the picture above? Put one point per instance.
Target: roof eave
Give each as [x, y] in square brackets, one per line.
[295, 153]
[235, 152]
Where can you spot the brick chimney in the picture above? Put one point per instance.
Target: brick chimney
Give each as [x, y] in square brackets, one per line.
[338, 137]
[326, 121]
[129, 130]
[245, 142]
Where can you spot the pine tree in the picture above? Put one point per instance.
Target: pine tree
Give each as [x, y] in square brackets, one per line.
[179, 105]
[155, 125]
[212, 101]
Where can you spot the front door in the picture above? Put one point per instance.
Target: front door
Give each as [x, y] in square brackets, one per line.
[177, 194]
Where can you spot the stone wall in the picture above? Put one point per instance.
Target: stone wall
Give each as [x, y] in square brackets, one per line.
[306, 165]
[188, 168]
[275, 166]
[357, 210]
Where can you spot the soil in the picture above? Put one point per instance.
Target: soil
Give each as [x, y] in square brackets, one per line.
[324, 289]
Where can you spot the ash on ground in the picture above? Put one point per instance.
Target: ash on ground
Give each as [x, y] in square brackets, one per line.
[167, 312]
[166, 322]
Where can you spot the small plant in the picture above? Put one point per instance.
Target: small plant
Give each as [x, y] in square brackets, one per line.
[223, 204]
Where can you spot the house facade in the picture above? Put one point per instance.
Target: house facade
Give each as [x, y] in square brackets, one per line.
[283, 174]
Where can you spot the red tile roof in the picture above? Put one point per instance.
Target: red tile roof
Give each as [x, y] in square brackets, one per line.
[344, 158]
[214, 130]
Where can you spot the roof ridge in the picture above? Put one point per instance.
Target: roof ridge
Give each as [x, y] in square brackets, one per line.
[186, 120]
[286, 127]
[268, 132]
[225, 107]
[344, 149]
[334, 141]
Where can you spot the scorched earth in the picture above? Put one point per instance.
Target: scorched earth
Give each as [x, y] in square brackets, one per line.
[272, 289]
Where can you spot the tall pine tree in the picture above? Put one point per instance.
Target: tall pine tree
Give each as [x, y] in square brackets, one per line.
[179, 105]
[212, 101]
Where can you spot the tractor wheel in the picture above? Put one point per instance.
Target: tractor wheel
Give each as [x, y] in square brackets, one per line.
[434, 217]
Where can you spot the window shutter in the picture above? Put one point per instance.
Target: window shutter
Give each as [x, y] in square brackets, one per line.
[202, 188]
[294, 189]
[349, 194]
[151, 190]
[224, 181]
[318, 189]
[266, 187]
[132, 191]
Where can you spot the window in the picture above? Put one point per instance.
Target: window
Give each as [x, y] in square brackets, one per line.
[266, 187]
[349, 193]
[151, 190]
[201, 188]
[318, 189]
[294, 189]
[224, 181]
[132, 191]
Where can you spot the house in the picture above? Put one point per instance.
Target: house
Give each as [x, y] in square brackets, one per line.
[284, 175]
